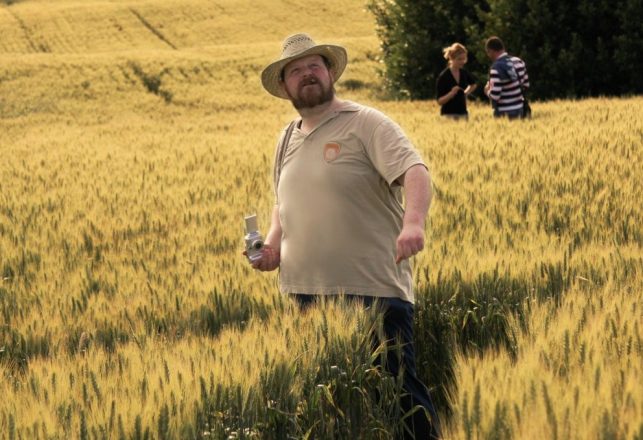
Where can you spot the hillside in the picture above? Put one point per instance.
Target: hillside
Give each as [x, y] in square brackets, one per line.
[134, 137]
[192, 53]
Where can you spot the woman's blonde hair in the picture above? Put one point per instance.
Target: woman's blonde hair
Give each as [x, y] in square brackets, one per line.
[453, 51]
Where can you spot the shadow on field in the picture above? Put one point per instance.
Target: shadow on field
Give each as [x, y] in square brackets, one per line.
[454, 314]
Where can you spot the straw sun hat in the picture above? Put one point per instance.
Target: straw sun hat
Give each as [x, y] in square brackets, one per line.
[298, 46]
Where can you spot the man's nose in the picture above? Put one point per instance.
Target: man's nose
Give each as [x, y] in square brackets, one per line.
[306, 72]
[307, 75]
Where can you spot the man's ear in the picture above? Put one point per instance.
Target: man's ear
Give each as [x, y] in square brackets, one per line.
[331, 73]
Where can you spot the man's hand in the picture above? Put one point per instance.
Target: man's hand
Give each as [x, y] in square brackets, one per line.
[270, 259]
[409, 242]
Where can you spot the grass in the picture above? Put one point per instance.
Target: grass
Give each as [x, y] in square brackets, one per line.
[127, 310]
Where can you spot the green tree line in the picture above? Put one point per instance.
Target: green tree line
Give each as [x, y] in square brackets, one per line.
[572, 48]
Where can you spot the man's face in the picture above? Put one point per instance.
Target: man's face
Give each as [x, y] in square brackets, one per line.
[308, 82]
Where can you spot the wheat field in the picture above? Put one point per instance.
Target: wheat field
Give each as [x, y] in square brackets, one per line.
[134, 137]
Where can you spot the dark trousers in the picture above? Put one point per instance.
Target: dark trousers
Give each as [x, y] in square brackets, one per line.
[398, 323]
[514, 114]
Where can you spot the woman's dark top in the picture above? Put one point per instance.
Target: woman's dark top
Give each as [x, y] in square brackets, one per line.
[446, 81]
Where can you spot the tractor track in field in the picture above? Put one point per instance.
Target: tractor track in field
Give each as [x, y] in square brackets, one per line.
[28, 33]
[152, 29]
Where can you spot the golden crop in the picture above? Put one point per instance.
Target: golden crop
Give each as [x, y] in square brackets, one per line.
[134, 137]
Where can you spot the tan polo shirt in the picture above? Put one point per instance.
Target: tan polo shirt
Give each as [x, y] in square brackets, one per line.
[340, 210]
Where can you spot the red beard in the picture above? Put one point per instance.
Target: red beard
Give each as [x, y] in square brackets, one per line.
[311, 92]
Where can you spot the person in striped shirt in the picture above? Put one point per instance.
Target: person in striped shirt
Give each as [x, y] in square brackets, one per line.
[508, 80]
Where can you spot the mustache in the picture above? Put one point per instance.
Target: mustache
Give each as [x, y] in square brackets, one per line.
[308, 81]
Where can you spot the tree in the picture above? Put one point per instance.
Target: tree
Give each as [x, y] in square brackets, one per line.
[413, 34]
[572, 48]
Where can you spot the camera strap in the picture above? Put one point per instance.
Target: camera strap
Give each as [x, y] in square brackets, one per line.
[281, 153]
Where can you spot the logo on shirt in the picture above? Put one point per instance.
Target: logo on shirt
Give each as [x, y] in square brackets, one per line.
[331, 151]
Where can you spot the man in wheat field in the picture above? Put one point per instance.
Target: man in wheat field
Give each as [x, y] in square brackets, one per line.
[339, 225]
[507, 83]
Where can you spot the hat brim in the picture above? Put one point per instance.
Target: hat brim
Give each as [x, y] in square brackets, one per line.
[271, 75]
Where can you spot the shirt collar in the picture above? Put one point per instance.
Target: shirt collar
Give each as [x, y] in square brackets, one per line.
[343, 107]
[347, 106]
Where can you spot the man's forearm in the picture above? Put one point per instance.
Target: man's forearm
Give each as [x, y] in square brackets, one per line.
[417, 192]
[418, 195]
[273, 237]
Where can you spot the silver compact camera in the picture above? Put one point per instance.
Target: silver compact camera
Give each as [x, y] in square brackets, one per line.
[253, 238]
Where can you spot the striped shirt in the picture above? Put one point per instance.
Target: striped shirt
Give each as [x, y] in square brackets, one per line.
[507, 78]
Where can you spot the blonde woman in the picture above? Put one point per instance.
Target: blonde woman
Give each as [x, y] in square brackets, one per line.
[454, 83]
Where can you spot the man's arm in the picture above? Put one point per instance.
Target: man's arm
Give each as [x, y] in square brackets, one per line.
[418, 194]
[270, 254]
[493, 88]
[273, 237]
[521, 70]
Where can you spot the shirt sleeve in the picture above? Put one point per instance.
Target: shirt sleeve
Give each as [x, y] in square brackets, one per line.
[521, 70]
[442, 85]
[494, 83]
[391, 152]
